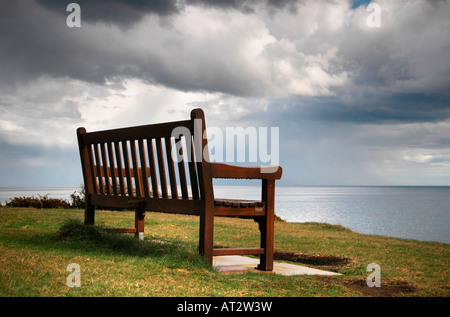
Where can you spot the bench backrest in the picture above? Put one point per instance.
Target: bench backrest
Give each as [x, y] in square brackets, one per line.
[148, 161]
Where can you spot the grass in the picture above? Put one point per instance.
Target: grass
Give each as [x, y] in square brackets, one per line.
[37, 245]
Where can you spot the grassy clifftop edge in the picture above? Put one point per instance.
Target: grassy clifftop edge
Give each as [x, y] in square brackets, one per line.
[35, 257]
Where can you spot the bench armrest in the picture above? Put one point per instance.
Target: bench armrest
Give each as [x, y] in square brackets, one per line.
[221, 170]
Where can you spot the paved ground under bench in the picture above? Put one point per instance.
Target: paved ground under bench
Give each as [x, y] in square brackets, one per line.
[237, 263]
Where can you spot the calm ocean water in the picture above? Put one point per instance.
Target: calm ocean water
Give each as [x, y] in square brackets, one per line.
[421, 213]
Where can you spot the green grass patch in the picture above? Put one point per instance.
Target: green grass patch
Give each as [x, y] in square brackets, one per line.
[37, 245]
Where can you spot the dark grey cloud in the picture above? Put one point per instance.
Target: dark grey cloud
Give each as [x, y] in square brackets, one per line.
[243, 5]
[387, 108]
[247, 6]
[36, 42]
[346, 98]
[366, 108]
[121, 12]
[382, 67]
[44, 45]
[129, 12]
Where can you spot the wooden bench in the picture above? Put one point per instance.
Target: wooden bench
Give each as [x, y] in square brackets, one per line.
[132, 168]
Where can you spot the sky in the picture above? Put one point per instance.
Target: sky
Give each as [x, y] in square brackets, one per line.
[355, 102]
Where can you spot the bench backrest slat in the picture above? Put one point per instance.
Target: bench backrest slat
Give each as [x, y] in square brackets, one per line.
[99, 170]
[145, 174]
[181, 169]
[119, 163]
[162, 168]
[151, 158]
[91, 170]
[126, 160]
[106, 174]
[171, 166]
[113, 169]
[193, 172]
[137, 176]
[142, 161]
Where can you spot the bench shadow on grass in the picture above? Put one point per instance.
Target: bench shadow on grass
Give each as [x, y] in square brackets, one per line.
[74, 235]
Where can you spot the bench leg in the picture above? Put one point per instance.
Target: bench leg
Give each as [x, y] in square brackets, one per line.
[206, 235]
[266, 226]
[89, 215]
[139, 223]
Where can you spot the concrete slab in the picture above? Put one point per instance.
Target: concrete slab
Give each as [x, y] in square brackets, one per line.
[238, 263]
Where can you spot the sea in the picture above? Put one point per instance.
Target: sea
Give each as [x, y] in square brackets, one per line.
[411, 212]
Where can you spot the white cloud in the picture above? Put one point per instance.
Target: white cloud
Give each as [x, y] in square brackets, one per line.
[140, 103]
[9, 127]
[419, 158]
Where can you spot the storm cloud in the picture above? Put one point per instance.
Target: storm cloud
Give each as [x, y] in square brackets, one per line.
[121, 12]
[349, 99]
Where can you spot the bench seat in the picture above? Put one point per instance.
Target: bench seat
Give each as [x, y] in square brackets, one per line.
[237, 203]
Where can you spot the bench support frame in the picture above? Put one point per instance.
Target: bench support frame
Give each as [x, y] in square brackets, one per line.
[119, 171]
